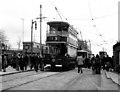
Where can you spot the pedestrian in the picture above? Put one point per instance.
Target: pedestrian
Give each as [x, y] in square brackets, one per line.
[97, 64]
[93, 64]
[14, 58]
[4, 62]
[80, 63]
[21, 63]
[18, 62]
[36, 62]
[31, 61]
[42, 58]
[25, 61]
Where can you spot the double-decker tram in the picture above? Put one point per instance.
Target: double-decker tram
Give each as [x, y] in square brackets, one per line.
[61, 38]
[83, 53]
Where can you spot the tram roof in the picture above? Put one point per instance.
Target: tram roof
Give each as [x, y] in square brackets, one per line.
[58, 22]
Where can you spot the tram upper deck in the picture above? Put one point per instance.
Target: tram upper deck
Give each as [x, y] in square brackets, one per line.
[60, 28]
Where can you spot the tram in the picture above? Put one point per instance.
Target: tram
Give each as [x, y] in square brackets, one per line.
[61, 38]
[83, 53]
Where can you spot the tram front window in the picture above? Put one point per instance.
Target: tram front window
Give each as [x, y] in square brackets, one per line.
[53, 29]
[65, 28]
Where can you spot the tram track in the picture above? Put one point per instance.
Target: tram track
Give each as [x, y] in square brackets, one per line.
[48, 74]
[20, 77]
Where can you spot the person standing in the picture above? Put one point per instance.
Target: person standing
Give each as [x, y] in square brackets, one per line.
[18, 62]
[80, 63]
[4, 62]
[31, 61]
[36, 62]
[97, 64]
[21, 62]
[93, 64]
[14, 58]
[25, 61]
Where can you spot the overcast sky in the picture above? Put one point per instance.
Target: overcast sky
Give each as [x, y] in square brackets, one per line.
[102, 31]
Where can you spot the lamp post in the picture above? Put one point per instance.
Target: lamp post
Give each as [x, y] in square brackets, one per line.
[23, 28]
[90, 46]
[32, 34]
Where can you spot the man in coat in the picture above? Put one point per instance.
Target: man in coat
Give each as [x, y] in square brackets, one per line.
[80, 63]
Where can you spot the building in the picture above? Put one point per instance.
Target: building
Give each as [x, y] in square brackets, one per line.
[116, 54]
[116, 47]
[35, 47]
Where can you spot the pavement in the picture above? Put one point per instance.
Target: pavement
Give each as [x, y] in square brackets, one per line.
[113, 76]
[10, 70]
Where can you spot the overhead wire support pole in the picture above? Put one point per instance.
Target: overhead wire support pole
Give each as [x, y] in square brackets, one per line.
[40, 29]
[40, 17]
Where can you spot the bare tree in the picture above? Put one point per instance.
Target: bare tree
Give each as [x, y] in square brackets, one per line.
[19, 43]
[2, 36]
[9, 46]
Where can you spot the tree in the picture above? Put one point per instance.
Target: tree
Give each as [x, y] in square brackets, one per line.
[9, 46]
[19, 43]
[2, 36]
[3, 39]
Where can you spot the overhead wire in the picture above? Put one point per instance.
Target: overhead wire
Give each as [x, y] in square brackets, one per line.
[92, 19]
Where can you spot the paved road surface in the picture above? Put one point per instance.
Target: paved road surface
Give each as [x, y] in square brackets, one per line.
[49, 80]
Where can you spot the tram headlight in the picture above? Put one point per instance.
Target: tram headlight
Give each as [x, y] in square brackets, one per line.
[53, 60]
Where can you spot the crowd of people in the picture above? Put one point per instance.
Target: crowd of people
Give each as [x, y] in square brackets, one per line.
[96, 63]
[22, 61]
[35, 61]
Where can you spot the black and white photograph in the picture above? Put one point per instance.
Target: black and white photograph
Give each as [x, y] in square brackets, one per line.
[60, 45]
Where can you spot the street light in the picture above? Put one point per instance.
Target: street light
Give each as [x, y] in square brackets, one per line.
[32, 33]
[23, 28]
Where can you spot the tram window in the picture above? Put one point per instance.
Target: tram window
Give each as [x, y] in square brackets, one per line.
[65, 28]
[50, 38]
[59, 28]
[53, 29]
[56, 38]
